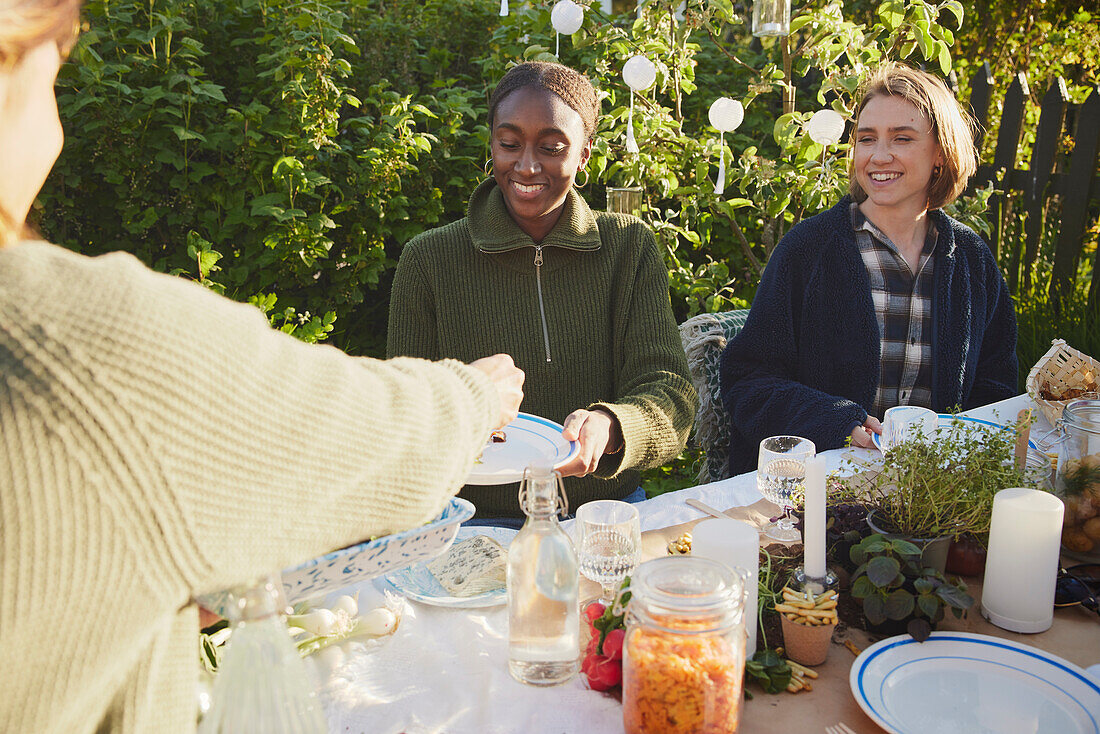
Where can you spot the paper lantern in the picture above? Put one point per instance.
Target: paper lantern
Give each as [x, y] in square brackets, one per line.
[567, 17]
[503, 8]
[725, 115]
[826, 127]
[639, 73]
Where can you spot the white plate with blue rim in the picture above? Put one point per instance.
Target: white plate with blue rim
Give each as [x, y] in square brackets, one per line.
[959, 422]
[417, 582]
[956, 682]
[364, 561]
[528, 440]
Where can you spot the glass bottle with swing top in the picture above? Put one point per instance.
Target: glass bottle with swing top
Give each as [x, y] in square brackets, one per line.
[543, 587]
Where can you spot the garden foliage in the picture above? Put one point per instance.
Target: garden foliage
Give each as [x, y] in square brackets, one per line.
[283, 151]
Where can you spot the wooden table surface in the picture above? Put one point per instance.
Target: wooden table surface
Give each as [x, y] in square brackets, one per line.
[1075, 636]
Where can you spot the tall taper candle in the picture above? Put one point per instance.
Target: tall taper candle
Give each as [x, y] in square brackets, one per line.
[813, 530]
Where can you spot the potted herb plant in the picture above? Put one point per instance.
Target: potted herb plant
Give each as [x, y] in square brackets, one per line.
[898, 591]
[932, 492]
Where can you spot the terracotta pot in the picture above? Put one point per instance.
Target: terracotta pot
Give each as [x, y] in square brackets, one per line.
[965, 557]
[805, 644]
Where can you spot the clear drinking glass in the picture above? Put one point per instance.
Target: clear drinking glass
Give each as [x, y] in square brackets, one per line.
[780, 472]
[609, 539]
[904, 423]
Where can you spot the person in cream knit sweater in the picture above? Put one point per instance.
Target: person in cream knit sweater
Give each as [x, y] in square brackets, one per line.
[150, 445]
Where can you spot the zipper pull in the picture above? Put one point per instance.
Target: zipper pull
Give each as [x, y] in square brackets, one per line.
[538, 256]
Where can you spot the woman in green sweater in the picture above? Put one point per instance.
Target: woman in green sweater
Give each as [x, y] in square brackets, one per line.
[579, 299]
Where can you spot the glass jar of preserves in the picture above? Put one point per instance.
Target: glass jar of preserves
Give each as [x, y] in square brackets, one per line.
[1078, 479]
[684, 653]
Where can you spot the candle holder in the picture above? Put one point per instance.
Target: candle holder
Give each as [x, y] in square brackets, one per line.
[625, 200]
[771, 18]
[812, 584]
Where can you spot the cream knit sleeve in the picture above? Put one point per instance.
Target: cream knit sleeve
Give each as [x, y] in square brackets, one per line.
[247, 450]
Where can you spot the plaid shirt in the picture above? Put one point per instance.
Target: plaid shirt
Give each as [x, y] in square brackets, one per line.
[903, 307]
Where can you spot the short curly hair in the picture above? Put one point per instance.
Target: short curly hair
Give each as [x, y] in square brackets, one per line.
[952, 127]
[570, 85]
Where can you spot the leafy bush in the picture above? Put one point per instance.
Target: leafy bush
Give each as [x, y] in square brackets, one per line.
[251, 146]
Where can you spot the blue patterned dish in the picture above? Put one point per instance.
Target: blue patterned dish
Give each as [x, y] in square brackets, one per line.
[367, 560]
[951, 423]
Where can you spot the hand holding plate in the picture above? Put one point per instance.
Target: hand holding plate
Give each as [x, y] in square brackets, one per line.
[597, 432]
[508, 380]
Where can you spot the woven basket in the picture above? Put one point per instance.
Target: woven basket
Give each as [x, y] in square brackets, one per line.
[1061, 369]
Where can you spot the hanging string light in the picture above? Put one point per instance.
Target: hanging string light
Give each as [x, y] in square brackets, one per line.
[567, 18]
[639, 73]
[725, 115]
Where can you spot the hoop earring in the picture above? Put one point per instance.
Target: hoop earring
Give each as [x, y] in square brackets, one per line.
[937, 170]
[586, 177]
[488, 167]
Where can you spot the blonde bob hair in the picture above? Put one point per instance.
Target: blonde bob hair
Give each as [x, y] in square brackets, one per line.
[952, 127]
[24, 26]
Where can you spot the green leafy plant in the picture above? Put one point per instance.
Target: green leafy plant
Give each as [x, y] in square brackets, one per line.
[770, 670]
[894, 585]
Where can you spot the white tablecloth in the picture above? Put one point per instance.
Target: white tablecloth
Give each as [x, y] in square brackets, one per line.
[445, 670]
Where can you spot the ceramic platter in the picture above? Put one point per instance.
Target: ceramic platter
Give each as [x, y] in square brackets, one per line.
[528, 439]
[947, 423]
[367, 560]
[963, 683]
[417, 582]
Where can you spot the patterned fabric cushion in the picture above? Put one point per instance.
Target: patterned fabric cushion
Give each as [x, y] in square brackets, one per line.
[704, 337]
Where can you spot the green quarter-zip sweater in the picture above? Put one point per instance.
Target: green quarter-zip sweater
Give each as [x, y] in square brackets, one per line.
[585, 315]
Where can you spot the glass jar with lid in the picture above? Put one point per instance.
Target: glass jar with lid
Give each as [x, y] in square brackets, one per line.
[684, 652]
[1078, 480]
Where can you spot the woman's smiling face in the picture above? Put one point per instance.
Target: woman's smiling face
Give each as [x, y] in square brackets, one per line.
[895, 154]
[538, 146]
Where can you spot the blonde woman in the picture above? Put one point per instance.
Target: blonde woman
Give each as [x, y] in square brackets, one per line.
[882, 300]
[158, 441]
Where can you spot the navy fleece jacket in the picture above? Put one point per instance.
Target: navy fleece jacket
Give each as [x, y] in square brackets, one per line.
[807, 361]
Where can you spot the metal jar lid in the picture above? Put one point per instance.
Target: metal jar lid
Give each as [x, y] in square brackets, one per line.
[685, 588]
[1082, 415]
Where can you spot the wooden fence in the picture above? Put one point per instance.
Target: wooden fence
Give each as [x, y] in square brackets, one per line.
[1061, 179]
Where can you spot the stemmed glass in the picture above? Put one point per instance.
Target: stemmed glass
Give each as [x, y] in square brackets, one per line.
[780, 473]
[609, 539]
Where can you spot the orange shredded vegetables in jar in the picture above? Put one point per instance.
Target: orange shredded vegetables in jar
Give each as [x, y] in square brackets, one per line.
[680, 684]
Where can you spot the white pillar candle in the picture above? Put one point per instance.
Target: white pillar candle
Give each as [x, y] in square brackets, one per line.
[1021, 566]
[813, 530]
[736, 544]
